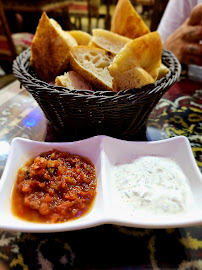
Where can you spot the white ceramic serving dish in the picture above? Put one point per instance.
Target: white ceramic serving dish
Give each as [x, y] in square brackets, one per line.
[104, 152]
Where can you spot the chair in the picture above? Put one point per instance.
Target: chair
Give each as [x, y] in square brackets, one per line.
[10, 44]
[89, 9]
[158, 10]
[31, 12]
[7, 48]
[78, 10]
[147, 5]
[104, 13]
[84, 9]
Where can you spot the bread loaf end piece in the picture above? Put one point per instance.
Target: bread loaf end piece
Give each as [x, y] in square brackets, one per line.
[127, 22]
[50, 49]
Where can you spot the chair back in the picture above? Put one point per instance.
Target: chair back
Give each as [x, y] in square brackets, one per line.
[81, 8]
[158, 10]
[7, 47]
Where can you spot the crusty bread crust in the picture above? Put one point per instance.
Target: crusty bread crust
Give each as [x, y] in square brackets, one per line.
[92, 45]
[132, 78]
[126, 21]
[92, 64]
[109, 41]
[50, 49]
[143, 52]
[81, 37]
[163, 70]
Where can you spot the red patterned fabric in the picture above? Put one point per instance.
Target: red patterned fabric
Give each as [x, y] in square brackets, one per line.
[21, 41]
[4, 47]
[80, 7]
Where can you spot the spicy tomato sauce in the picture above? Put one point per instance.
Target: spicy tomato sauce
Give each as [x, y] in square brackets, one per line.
[54, 187]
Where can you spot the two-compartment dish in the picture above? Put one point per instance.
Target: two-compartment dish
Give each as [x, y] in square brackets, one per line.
[105, 153]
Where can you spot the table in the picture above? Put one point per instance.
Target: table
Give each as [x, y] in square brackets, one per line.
[179, 112]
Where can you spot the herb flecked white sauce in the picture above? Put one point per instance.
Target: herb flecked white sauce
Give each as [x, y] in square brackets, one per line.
[152, 185]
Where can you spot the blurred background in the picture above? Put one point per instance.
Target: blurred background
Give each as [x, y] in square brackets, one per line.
[19, 19]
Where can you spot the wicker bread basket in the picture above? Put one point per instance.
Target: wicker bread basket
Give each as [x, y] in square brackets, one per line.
[83, 113]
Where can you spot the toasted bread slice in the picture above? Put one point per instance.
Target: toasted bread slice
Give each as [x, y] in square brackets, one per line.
[127, 22]
[109, 41]
[81, 37]
[50, 49]
[143, 52]
[72, 80]
[92, 64]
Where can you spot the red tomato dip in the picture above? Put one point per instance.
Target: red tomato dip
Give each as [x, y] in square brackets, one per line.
[54, 187]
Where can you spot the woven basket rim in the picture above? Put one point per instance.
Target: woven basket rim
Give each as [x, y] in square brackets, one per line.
[88, 113]
[21, 67]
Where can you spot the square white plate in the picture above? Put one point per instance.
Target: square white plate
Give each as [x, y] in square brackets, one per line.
[104, 152]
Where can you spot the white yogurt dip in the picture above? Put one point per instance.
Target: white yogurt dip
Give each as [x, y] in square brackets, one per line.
[151, 185]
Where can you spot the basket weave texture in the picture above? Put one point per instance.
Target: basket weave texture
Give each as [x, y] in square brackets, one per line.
[81, 114]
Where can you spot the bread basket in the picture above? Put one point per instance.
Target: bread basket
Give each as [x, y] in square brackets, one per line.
[79, 114]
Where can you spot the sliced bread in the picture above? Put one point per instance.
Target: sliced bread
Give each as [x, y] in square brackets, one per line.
[50, 49]
[108, 40]
[81, 37]
[127, 22]
[143, 52]
[133, 78]
[92, 64]
[72, 80]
